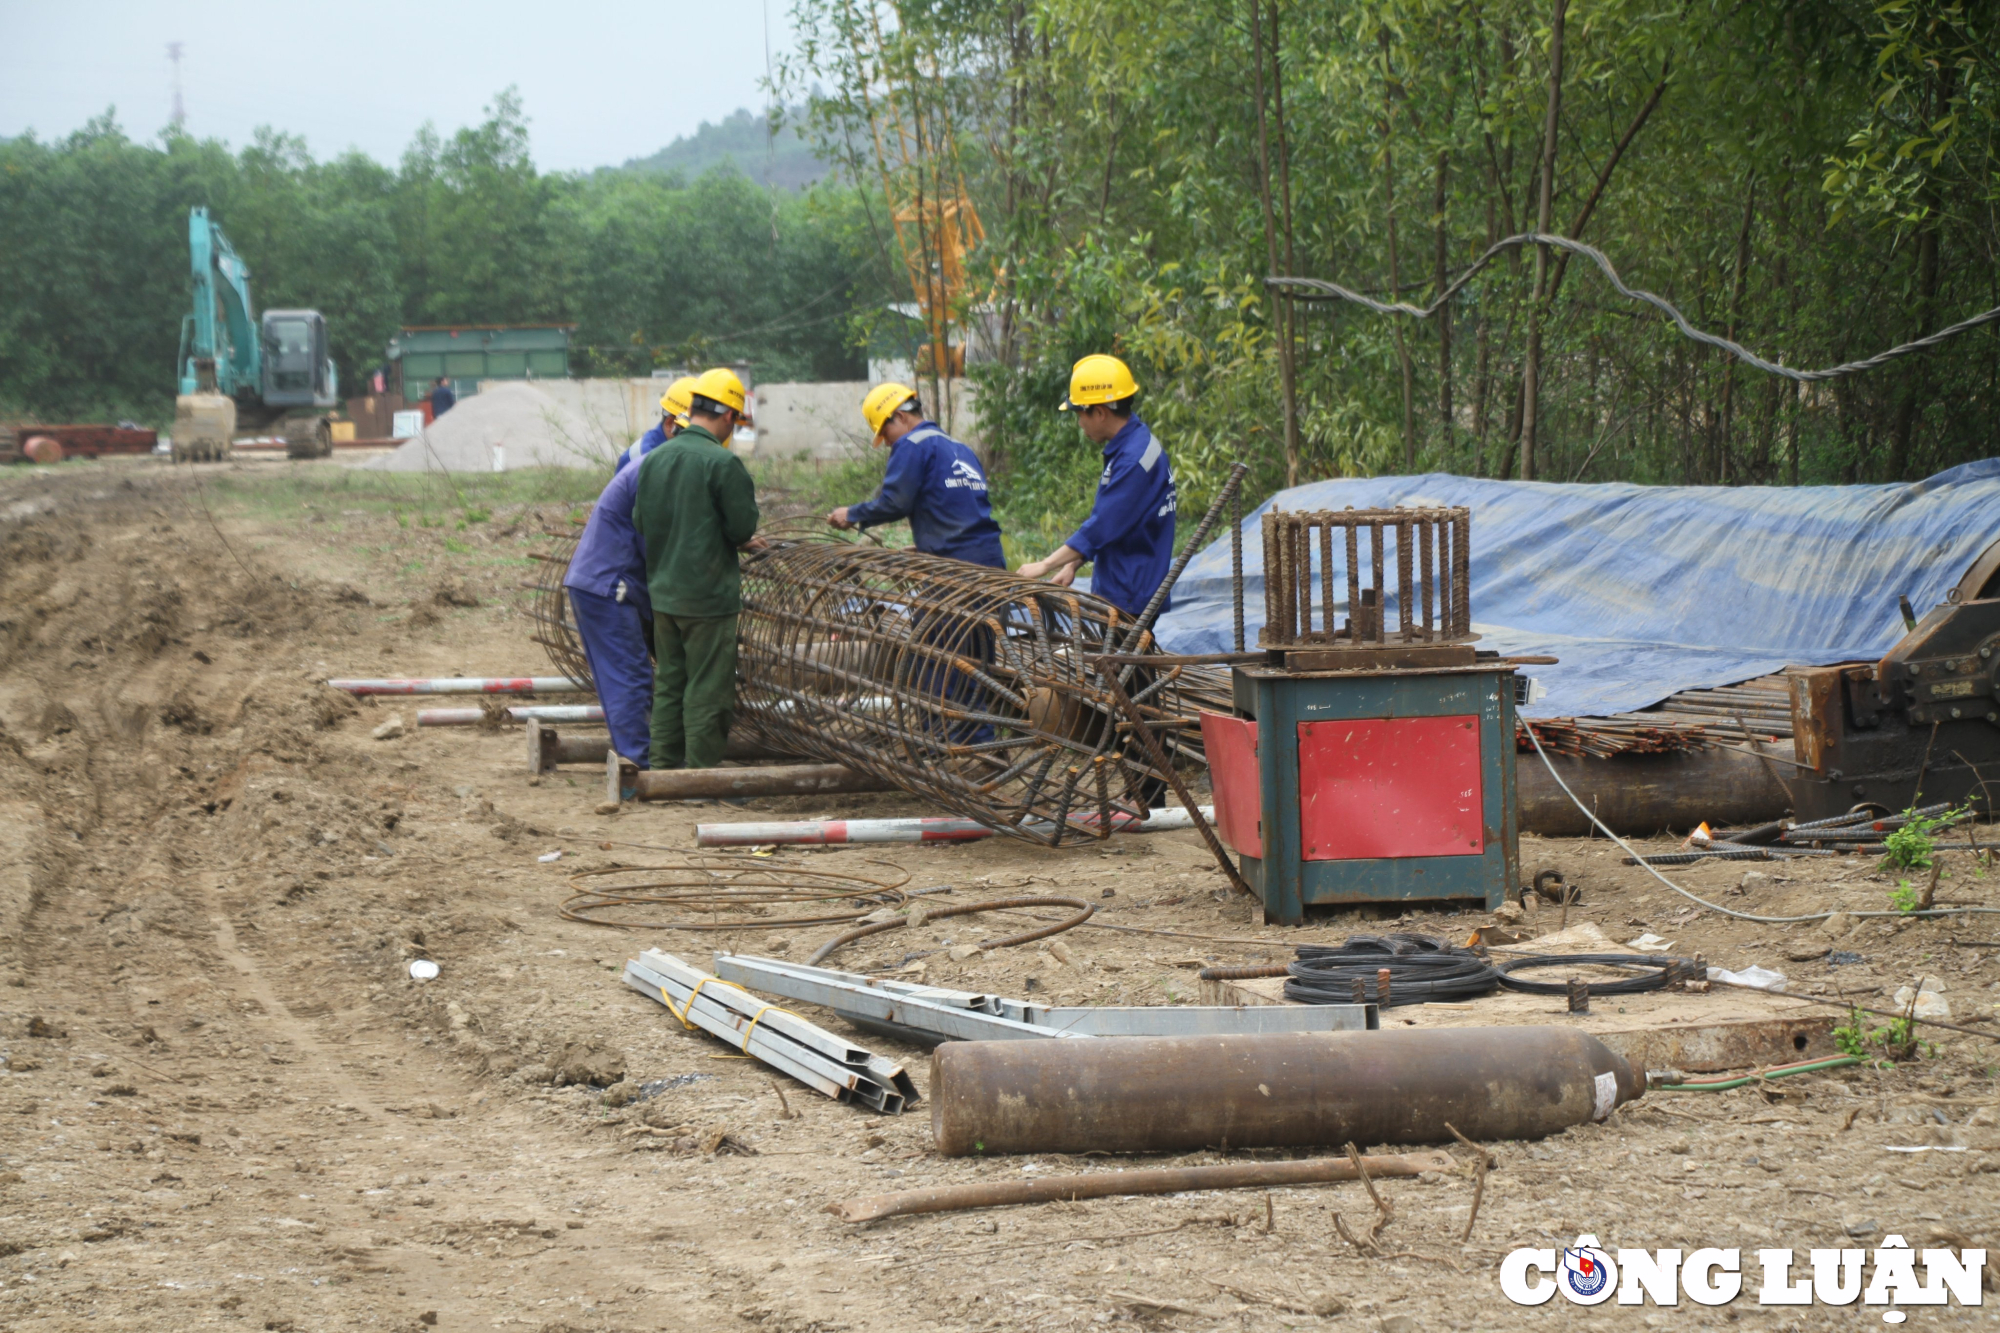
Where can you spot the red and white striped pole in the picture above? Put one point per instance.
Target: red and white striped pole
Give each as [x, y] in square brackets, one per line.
[463, 685]
[472, 717]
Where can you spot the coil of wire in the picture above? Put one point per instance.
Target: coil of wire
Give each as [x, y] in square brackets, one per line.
[1656, 972]
[1420, 969]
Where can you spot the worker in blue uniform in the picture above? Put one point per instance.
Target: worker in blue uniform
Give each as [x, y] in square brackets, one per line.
[937, 484]
[933, 481]
[1129, 535]
[674, 404]
[606, 582]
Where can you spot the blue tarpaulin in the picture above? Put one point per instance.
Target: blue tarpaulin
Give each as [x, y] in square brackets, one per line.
[1645, 590]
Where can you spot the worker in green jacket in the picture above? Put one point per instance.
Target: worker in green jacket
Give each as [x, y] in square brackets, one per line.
[696, 508]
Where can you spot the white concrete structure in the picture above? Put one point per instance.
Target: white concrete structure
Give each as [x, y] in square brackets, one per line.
[824, 420]
[585, 423]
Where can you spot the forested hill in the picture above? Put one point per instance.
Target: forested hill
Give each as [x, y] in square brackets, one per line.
[653, 268]
[741, 141]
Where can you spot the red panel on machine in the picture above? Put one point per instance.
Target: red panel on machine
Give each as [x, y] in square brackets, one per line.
[1231, 746]
[1388, 787]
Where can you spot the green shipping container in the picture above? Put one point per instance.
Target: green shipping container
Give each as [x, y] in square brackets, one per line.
[466, 354]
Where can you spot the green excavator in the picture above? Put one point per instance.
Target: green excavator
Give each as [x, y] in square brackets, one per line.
[240, 373]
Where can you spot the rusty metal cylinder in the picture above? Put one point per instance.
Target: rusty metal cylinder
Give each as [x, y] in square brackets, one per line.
[693, 784]
[549, 749]
[1283, 1090]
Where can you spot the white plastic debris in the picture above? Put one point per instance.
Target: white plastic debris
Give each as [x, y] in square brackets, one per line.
[1929, 998]
[550, 856]
[1649, 943]
[1758, 978]
[422, 969]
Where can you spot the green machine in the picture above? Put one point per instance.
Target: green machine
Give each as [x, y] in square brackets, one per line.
[1364, 763]
[466, 354]
[239, 371]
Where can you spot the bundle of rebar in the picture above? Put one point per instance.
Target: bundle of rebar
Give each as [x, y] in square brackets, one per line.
[1864, 829]
[1433, 577]
[1727, 716]
[972, 687]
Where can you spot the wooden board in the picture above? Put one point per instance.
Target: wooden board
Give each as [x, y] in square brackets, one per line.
[1697, 1033]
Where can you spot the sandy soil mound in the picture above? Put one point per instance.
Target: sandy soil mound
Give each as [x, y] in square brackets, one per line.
[532, 429]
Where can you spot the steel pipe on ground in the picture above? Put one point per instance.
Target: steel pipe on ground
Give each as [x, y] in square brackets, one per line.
[1642, 794]
[1289, 1090]
[1164, 1180]
[698, 784]
[549, 748]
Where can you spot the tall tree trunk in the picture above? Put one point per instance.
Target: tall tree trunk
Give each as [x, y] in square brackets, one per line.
[1903, 430]
[1294, 443]
[1439, 279]
[1280, 307]
[1402, 343]
[1531, 375]
[1735, 315]
[1395, 268]
[1575, 231]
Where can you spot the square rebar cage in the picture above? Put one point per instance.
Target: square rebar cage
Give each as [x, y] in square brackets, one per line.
[1432, 554]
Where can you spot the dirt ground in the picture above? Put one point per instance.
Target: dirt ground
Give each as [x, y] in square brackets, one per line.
[224, 1101]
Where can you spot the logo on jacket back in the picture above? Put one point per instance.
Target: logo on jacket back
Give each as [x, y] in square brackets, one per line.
[964, 474]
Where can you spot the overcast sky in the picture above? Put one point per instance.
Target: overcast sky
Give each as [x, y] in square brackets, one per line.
[601, 80]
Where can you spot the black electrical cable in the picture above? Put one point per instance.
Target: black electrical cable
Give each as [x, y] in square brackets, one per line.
[1660, 970]
[1420, 968]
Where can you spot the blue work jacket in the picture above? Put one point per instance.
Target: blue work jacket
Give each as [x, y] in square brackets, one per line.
[610, 554]
[1129, 536]
[936, 483]
[645, 444]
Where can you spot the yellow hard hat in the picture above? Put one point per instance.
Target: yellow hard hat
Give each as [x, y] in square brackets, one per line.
[678, 398]
[1098, 379]
[722, 385]
[882, 403]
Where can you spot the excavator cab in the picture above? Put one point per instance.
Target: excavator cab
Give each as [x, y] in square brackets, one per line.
[297, 370]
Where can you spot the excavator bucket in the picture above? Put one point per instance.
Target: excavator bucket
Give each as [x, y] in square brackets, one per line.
[204, 425]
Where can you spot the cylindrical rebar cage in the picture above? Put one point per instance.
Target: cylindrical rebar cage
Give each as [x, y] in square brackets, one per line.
[972, 687]
[549, 608]
[1431, 551]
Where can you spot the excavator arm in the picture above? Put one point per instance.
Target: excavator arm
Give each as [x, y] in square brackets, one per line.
[221, 350]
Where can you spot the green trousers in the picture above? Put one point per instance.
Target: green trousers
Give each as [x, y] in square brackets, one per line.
[694, 689]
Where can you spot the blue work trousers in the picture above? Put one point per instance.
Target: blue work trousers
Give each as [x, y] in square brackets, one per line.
[615, 643]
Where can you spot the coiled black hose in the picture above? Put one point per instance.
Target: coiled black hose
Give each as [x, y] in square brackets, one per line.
[1659, 971]
[1420, 969]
